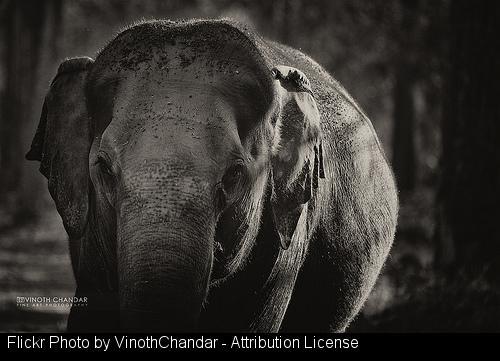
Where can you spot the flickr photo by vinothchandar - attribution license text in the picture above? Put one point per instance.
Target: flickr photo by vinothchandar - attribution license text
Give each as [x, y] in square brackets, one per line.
[172, 342]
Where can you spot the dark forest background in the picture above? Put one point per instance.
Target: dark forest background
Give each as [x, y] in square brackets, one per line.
[427, 72]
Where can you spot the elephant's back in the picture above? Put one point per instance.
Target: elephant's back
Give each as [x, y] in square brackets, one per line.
[325, 86]
[339, 111]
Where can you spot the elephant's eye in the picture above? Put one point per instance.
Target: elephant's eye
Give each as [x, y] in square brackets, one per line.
[104, 166]
[106, 177]
[233, 176]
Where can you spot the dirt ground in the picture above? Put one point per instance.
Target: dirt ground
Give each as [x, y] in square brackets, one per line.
[34, 262]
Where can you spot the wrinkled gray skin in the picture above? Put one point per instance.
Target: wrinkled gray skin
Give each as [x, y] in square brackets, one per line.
[189, 177]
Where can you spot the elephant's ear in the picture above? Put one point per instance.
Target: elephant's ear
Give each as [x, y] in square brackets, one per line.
[297, 160]
[62, 143]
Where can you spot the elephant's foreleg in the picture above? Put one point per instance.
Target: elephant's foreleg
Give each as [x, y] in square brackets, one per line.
[331, 288]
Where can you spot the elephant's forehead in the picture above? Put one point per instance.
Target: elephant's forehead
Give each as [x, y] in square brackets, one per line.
[173, 114]
[204, 124]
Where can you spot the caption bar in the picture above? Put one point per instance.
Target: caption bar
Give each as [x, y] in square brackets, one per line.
[165, 342]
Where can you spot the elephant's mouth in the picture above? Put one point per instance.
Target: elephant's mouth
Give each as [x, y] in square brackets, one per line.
[226, 254]
[220, 269]
[226, 245]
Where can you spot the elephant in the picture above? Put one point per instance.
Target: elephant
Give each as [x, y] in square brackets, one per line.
[211, 180]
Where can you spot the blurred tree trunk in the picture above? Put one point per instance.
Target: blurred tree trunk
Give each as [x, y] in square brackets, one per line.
[403, 152]
[31, 28]
[403, 137]
[470, 190]
[286, 19]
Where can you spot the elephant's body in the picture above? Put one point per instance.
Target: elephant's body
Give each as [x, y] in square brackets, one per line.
[341, 231]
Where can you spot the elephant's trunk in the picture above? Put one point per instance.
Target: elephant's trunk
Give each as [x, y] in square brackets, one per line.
[165, 247]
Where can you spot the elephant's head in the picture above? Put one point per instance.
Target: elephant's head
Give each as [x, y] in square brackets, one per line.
[171, 141]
